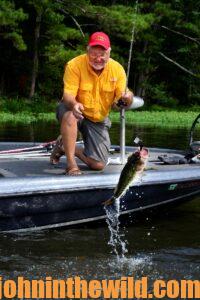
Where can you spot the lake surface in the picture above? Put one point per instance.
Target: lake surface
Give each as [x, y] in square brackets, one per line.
[166, 246]
[152, 136]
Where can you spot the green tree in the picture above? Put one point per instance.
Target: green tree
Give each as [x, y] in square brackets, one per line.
[10, 37]
[51, 35]
[10, 19]
[165, 64]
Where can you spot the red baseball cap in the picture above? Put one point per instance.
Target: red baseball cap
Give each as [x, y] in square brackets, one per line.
[99, 39]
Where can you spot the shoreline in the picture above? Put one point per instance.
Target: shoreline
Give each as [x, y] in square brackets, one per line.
[143, 118]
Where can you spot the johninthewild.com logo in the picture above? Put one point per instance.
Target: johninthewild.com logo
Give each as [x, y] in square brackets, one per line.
[78, 288]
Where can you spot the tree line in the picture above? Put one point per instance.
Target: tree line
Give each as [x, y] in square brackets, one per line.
[38, 37]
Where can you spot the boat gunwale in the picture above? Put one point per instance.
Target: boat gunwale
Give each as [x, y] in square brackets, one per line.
[20, 185]
[75, 188]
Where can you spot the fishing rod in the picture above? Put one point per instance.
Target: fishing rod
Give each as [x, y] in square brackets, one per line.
[197, 120]
[47, 146]
[24, 155]
[120, 102]
[38, 150]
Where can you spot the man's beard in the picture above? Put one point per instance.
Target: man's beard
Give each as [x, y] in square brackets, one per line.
[97, 67]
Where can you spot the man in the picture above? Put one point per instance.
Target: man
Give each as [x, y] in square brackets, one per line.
[93, 84]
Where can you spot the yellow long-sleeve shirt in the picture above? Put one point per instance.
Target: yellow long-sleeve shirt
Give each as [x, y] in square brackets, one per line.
[96, 93]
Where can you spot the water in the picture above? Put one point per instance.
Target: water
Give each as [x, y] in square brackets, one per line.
[152, 136]
[116, 241]
[164, 246]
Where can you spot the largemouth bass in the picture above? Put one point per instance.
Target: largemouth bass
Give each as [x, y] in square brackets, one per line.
[132, 170]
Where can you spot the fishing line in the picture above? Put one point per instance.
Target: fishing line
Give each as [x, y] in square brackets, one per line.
[120, 102]
[131, 46]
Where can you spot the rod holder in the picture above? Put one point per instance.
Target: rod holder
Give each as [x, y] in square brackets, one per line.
[122, 135]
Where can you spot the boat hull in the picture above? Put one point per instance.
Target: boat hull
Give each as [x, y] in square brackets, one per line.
[73, 208]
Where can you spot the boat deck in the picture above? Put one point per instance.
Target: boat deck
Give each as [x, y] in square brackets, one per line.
[37, 163]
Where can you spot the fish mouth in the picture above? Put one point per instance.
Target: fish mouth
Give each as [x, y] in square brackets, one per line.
[144, 152]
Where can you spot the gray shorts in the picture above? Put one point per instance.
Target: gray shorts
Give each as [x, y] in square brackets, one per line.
[95, 135]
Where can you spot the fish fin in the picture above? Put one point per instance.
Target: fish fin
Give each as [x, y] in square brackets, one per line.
[109, 201]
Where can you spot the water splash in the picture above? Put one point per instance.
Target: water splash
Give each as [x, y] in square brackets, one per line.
[117, 236]
[139, 264]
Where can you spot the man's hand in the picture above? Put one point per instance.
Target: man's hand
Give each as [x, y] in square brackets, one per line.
[77, 111]
[126, 99]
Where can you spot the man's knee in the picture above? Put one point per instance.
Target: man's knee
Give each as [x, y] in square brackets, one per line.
[96, 165]
[69, 119]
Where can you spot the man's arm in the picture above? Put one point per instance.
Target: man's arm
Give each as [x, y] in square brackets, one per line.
[69, 100]
[73, 105]
[123, 96]
[71, 83]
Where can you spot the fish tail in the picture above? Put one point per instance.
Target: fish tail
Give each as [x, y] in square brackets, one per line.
[109, 201]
